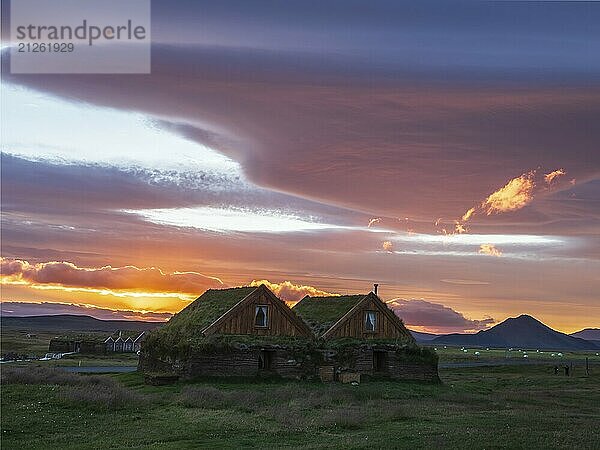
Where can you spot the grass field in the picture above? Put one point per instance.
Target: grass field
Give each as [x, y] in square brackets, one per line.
[458, 354]
[499, 407]
[481, 407]
[16, 340]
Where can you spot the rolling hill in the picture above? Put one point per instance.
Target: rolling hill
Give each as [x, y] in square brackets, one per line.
[589, 334]
[518, 332]
[71, 322]
[423, 337]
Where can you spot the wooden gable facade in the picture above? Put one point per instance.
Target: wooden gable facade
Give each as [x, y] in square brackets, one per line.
[260, 313]
[369, 319]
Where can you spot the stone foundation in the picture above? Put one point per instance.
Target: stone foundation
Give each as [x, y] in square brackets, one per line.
[235, 363]
[368, 362]
[382, 362]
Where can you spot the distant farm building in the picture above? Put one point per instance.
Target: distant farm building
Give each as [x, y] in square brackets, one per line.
[118, 342]
[76, 344]
[249, 331]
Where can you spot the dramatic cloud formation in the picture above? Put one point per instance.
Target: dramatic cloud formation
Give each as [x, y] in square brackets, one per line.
[466, 216]
[489, 249]
[459, 228]
[465, 282]
[272, 112]
[550, 177]
[515, 195]
[128, 278]
[374, 221]
[434, 317]
[292, 292]
[22, 309]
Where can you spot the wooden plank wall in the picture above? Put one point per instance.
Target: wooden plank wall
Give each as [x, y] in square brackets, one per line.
[355, 325]
[242, 320]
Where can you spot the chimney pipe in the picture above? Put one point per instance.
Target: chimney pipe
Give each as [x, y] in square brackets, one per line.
[375, 286]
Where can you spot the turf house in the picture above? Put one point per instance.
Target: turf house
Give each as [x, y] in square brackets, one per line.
[250, 332]
[361, 337]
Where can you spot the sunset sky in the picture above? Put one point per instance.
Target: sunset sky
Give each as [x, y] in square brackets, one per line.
[448, 151]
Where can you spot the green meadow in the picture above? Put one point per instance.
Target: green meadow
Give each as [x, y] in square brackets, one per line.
[491, 407]
[448, 354]
[512, 406]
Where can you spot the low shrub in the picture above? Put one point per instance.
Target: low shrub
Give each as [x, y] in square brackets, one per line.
[346, 418]
[418, 355]
[290, 418]
[203, 397]
[48, 375]
[286, 393]
[103, 395]
[246, 400]
[395, 413]
[209, 397]
[336, 395]
[95, 390]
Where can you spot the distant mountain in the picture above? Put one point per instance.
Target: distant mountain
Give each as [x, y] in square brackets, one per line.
[423, 337]
[589, 334]
[518, 332]
[71, 322]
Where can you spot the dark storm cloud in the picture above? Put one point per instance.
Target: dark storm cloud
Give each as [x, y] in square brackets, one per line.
[435, 316]
[498, 38]
[353, 144]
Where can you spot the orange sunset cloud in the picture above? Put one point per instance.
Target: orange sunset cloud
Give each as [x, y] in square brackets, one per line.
[489, 249]
[292, 292]
[516, 194]
[549, 178]
[129, 280]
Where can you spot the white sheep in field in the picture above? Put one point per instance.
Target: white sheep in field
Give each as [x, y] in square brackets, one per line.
[476, 353]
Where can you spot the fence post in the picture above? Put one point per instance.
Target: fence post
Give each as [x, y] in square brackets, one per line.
[587, 366]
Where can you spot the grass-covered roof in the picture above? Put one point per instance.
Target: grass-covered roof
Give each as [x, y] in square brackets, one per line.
[320, 313]
[206, 309]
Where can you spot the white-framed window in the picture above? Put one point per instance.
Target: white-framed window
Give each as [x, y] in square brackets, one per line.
[370, 321]
[261, 316]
